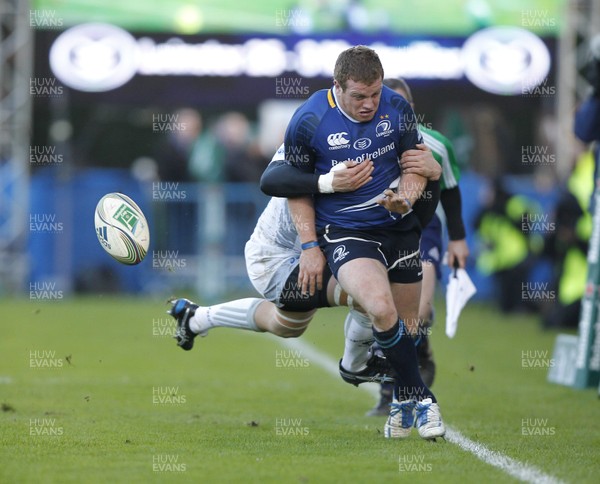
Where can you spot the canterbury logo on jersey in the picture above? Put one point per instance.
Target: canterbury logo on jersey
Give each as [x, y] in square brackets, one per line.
[337, 141]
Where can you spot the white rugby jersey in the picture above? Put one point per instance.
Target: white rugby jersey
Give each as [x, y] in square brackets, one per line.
[273, 250]
[275, 226]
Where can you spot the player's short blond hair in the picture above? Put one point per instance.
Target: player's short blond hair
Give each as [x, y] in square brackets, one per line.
[359, 63]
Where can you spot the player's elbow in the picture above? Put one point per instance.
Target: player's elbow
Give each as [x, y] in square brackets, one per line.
[269, 185]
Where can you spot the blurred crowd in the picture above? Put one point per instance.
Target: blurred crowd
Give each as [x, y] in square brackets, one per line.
[225, 151]
[517, 234]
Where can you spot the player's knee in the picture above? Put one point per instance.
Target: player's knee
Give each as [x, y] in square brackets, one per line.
[286, 325]
[286, 330]
[290, 332]
[383, 313]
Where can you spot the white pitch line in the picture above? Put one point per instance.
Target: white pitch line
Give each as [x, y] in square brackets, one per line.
[512, 467]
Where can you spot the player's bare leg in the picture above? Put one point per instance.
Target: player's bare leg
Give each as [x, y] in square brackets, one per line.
[373, 292]
[285, 324]
[359, 363]
[366, 280]
[252, 314]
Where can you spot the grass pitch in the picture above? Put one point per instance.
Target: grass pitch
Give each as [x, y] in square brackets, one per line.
[94, 390]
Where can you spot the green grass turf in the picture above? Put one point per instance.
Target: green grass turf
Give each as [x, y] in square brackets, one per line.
[233, 408]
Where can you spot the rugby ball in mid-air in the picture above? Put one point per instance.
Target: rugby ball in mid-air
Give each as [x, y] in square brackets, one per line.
[122, 228]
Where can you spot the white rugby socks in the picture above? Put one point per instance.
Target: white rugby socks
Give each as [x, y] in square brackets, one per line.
[233, 314]
[359, 337]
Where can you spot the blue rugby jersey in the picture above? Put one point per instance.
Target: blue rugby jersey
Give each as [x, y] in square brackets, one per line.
[320, 135]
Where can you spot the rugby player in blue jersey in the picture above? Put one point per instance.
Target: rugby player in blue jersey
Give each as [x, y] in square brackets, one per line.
[251, 313]
[369, 237]
[272, 255]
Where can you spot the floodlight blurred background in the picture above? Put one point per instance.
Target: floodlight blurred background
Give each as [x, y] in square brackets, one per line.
[181, 104]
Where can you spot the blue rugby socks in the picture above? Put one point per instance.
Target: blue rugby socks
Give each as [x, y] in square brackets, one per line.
[399, 348]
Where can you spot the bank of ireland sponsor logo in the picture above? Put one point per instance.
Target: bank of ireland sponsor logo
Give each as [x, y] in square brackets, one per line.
[384, 127]
[382, 150]
[338, 141]
[362, 144]
[340, 253]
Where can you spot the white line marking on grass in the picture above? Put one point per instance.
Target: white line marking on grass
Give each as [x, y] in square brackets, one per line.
[512, 467]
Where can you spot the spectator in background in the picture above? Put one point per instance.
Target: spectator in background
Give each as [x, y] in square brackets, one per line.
[235, 158]
[587, 117]
[204, 159]
[567, 246]
[507, 244]
[174, 155]
[183, 129]
[566, 249]
[238, 149]
[227, 152]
